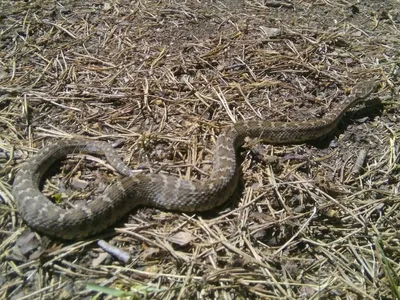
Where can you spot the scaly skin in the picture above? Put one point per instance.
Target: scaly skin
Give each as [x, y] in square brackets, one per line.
[157, 190]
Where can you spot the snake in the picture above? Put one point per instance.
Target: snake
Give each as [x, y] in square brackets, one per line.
[158, 190]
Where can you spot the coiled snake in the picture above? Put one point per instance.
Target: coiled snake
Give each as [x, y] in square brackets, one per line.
[156, 190]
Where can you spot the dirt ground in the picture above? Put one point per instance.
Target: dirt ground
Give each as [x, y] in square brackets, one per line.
[159, 80]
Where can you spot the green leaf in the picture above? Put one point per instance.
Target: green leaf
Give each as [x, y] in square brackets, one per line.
[57, 197]
[109, 291]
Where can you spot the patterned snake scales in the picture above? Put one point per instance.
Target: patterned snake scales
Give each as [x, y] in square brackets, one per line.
[156, 190]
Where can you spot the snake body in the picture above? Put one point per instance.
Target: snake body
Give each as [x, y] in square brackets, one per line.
[157, 190]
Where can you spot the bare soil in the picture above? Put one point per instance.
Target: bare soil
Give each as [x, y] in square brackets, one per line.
[158, 80]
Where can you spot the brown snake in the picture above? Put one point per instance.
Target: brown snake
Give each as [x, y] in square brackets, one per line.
[157, 190]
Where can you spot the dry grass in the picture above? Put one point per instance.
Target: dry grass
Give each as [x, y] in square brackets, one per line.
[159, 79]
